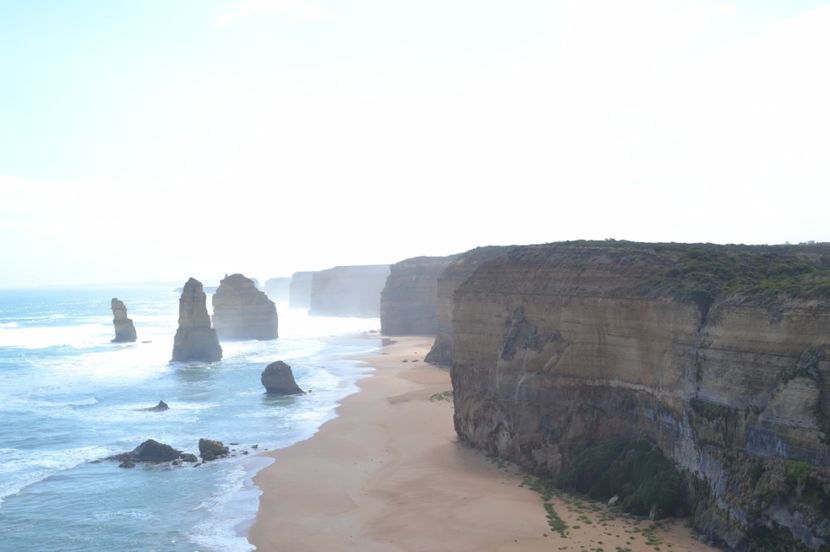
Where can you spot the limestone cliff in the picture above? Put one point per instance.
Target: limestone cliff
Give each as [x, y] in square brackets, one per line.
[348, 291]
[277, 289]
[241, 311]
[195, 339]
[299, 291]
[718, 354]
[456, 273]
[409, 299]
[124, 328]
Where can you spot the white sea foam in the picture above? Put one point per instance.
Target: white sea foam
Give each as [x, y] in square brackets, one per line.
[230, 510]
[22, 468]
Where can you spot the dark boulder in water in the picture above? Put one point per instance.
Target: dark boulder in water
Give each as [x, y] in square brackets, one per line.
[279, 380]
[148, 451]
[124, 328]
[211, 450]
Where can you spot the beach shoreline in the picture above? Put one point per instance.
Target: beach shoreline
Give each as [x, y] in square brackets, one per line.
[388, 474]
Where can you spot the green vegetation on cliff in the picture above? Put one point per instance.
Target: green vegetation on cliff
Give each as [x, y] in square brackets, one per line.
[635, 471]
[705, 273]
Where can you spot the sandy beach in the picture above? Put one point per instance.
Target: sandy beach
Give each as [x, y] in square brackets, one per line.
[388, 474]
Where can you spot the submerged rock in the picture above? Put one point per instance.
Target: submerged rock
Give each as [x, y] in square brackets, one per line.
[211, 450]
[279, 380]
[195, 339]
[124, 327]
[160, 407]
[241, 311]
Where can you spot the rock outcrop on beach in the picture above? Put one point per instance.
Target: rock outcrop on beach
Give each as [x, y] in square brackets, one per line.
[457, 271]
[195, 339]
[278, 379]
[409, 300]
[211, 450]
[278, 289]
[299, 290]
[241, 311]
[124, 328]
[717, 354]
[348, 291]
[150, 451]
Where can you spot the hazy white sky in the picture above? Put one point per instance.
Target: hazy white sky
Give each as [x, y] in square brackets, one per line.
[158, 140]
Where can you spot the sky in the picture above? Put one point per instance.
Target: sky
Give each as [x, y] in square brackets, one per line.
[160, 139]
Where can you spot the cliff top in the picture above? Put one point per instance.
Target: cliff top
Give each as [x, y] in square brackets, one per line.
[701, 273]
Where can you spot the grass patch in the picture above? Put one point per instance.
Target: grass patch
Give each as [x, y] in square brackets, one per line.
[554, 521]
[442, 396]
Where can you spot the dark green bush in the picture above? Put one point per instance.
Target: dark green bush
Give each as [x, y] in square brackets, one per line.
[636, 471]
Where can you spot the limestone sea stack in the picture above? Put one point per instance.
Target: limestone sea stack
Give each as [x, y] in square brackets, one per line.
[124, 328]
[195, 340]
[408, 302]
[348, 291]
[278, 379]
[241, 311]
[299, 291]
[718, 356]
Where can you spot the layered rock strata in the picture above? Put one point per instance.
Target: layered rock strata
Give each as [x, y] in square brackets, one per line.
[124, 328]
[348, 291]
[719, 355]
[456, 273]
[278, 289]
[241, 311]
[409, 300]
[195, 339]
[299, 291]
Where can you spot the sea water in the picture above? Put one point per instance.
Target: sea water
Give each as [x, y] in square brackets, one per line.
[69, 397]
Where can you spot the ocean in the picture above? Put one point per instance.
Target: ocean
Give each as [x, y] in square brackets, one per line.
[69, 397]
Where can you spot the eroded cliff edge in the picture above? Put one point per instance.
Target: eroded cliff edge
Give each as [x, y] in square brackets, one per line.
[458, 270]
[719, 355]
[409, 299]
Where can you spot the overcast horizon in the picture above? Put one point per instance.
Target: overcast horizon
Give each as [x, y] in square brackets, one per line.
[153, 141]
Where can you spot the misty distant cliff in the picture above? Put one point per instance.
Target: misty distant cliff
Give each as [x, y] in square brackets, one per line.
[278, 289]
[299, 291]
[409, 301]
[348, 291]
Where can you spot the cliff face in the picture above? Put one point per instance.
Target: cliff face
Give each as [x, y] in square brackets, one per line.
[195, 339]
[277, 289]
[241, 311]
[348, 291]
[409, 299]
[124, 328]
[299, 291]
[458, 270]
[560, 347]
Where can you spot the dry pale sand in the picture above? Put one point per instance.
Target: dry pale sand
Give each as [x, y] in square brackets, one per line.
[388, 474]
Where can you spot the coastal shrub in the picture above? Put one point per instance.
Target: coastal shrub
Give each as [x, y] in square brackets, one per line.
[703, 274]
[636, 471]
